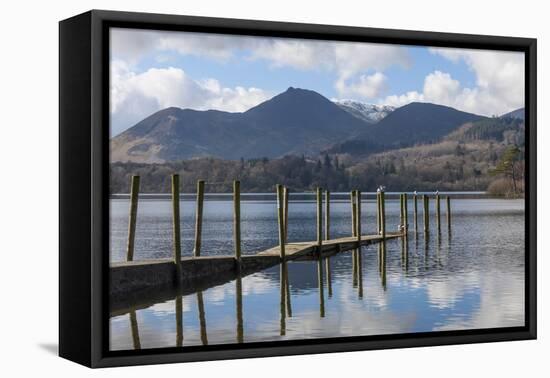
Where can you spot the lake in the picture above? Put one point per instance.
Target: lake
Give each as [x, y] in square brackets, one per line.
[470, 278]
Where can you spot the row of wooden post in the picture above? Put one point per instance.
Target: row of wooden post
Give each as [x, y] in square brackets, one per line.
[282, 215]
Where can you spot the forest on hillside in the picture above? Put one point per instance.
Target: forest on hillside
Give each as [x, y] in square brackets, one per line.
[443, 166]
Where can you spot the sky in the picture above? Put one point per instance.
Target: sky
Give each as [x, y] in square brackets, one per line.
[152, 70]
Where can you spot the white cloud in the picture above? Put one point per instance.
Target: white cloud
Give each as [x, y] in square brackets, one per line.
[134, 96]
[404, 99]
[499, 85]
[349, 60]
[367, 86]
[360, 63]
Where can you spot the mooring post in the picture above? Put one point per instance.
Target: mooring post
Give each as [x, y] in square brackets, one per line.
[281, 220]
[327, 215]
[401, 215]
[353, 213]
[176, 222]
[406, 213]
[319, 219]
[237, 219]
[198, 218]
[415, 210]
[448, 212]
[426, 202]
[134, 193]
[358, 216]
[286, 195]
[383, 213]
[353, 201]
[378, 213]
[438, 210]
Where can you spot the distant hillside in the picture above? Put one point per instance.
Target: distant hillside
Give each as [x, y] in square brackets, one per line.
[296, 121]
[369, 113]
[511, 130]
[411, 124]
[518, 114]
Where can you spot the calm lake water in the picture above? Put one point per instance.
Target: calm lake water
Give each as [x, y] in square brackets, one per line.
[472, 278]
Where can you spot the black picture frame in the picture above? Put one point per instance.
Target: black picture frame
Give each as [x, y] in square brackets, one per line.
[83, 181]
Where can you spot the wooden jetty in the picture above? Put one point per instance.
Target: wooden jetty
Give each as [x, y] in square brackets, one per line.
[139, 283]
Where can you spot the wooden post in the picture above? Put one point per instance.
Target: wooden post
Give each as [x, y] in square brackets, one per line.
[176, 221]
[448, 212]
[281, 220]
[353, 198]
[353, 213]
[358, 216]
[327, 215]
[383, 214]
[198, 218]
[426, 202]
[237, 219]
[319, 219]
[406, 212]
[133, 217]
[286, 195]
[401, 215]
[415, 210]
[438, 211]
[378, 213]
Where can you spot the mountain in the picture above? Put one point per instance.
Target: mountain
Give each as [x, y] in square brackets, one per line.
[410, 124]
[369, 113]
[297, 121]
[518, 114]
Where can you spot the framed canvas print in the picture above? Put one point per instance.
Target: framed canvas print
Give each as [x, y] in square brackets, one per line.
[233, 188]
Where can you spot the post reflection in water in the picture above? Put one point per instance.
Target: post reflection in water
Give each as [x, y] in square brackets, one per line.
[320, 284]
[135, 330]
[360, 272]
[426, 249]
[282, 290]
[405, 252]
[239, 305]
[354, 267]
[287, 291]
[329, 277]
[382, 254]
[202, 318]
[179, 320]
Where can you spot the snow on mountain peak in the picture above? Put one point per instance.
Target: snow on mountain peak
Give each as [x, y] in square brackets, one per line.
[370, 113]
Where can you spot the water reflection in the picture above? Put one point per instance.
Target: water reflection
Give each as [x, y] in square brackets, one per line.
[239, 305]
[320, 286]
[470, 278]
[135, 330]
[202, 319]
